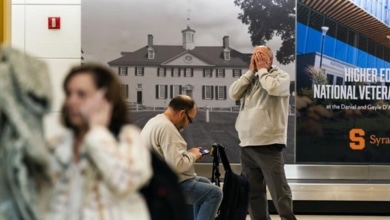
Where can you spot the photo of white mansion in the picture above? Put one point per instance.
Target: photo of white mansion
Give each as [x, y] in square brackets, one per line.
[154, 74]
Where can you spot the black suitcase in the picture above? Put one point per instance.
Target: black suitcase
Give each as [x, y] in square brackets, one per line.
[235, 189]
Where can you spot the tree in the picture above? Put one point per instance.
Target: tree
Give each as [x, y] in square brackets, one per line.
[269, 18]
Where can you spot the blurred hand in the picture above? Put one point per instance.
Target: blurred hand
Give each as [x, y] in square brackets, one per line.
[196, 151]
[97, 110]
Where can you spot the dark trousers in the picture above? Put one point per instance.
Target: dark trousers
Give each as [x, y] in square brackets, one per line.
[264, 166]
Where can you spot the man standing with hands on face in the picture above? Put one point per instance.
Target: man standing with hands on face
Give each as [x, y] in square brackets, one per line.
[262, 129]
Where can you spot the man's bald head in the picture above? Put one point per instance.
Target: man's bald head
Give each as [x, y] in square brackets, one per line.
[182, 102]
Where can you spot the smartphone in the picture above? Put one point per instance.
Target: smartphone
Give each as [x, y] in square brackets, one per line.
[204, 152]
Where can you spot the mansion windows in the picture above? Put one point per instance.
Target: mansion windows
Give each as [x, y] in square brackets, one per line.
[162, 91]
[237, 73]
[139, 71]
[175, 72]
[220, 73]
[175, 90]
[123, 71]
[161, 72]
[181, 71]
[209, 92]
[189, 72]
[208, 72]
[175, 82]
[125, 90]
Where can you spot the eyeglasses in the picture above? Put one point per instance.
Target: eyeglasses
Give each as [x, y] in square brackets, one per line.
[188, 117]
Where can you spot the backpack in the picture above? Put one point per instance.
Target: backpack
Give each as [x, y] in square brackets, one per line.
[162, 194]
[235, 189]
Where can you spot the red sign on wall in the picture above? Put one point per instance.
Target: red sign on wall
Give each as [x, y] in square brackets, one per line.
[54, 22]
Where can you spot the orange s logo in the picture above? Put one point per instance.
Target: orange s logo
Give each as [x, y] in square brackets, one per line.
[356, 135]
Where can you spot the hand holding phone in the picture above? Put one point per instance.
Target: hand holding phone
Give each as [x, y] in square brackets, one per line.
[204, 152]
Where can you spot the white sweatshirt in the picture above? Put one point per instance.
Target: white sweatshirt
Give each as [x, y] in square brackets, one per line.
[263, 115]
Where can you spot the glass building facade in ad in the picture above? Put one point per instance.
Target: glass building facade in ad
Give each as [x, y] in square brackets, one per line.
[342, 45]
[357, 36]
[377, 8]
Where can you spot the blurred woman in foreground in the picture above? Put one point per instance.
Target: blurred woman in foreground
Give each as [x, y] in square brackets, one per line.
[100, 164]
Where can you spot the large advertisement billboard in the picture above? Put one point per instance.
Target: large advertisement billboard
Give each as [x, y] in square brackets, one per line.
[160, 49]
[343, 79]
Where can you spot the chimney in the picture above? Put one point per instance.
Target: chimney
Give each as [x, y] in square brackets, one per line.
[151, 53]
[226, 50]
[226, 42]
[150, 40]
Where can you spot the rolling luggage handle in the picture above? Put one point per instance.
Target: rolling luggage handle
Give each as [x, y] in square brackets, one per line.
[218, 151]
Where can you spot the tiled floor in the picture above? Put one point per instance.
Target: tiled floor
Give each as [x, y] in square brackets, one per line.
[333, 217]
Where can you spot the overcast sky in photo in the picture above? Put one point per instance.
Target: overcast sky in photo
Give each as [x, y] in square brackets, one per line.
[110, 27]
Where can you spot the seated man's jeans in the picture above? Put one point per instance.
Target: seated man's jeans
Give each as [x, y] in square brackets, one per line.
[205, 197]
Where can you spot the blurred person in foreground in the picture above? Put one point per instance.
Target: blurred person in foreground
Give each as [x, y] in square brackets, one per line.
[162, 132]
[262, 129]
[25, 98]
[102, 161]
